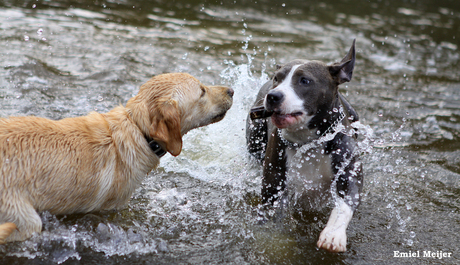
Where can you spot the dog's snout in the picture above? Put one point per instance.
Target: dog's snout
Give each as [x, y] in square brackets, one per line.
[230, 92]
[274, 98]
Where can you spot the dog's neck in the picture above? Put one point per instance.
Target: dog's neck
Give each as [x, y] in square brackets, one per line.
[155, 147]
[297, 138]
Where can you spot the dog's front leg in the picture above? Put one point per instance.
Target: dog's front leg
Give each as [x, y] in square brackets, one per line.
[334, 236]
[349, 185]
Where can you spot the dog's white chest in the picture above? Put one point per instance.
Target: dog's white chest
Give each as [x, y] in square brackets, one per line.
[309, 176]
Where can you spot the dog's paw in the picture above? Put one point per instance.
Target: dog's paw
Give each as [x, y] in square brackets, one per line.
[333, 240]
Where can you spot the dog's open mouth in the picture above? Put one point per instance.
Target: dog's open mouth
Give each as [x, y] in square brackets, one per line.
[285, 120]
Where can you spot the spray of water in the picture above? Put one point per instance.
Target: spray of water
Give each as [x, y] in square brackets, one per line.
[215, 155]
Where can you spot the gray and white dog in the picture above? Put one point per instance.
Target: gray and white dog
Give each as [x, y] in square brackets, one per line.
[307, 146]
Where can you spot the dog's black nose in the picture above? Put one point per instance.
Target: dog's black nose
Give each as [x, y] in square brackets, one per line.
[274, 98]
[230, 92]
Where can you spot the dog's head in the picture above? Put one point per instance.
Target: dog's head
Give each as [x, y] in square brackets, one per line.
[302, 89]
[170, 105]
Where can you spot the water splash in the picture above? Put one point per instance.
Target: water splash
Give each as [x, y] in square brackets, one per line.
[60, 241]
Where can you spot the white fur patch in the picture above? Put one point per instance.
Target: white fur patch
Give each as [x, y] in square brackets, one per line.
[292, 103]
[334, 235]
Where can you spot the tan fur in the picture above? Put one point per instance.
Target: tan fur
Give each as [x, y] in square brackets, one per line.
[5, 230]
[95, 162]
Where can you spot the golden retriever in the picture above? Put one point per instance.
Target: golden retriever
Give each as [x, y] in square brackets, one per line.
[95, 162]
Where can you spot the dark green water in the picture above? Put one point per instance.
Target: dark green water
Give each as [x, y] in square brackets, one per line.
[66, 58]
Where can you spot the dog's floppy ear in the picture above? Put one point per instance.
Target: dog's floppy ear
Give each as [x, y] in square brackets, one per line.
[343, 71]
[165, 127]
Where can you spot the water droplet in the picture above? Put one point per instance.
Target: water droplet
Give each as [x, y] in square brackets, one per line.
[26, 38]
[100, 98]
[412, 234]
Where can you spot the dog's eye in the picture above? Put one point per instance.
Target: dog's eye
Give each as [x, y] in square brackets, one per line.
[305, 81]
[275, 79]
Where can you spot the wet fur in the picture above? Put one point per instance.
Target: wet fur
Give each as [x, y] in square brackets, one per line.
[307, 177]
[95, 162]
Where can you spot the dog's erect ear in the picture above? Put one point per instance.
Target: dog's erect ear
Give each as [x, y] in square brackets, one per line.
[343, 71]
[165, 127]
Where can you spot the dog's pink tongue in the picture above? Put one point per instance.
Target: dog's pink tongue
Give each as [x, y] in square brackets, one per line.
[283, 121]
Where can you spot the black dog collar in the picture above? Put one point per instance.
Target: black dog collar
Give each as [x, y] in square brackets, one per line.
[156, 148]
